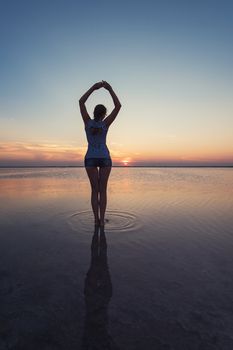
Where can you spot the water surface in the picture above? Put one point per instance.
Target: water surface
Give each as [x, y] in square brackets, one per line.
[159, 277]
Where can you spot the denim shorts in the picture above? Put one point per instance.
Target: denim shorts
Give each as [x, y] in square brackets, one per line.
[97, 162]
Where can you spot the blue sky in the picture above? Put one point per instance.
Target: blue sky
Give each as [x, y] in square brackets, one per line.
[170, 63]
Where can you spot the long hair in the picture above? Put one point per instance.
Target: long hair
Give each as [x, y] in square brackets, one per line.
[99, 112]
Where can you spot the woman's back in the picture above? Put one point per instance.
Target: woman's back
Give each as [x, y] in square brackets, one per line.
[96, 133]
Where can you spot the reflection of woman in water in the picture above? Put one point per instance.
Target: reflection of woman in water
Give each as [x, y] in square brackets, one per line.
[98, 162]
[98, 292]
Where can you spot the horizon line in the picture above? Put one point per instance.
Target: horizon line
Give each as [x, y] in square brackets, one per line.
[118, 166]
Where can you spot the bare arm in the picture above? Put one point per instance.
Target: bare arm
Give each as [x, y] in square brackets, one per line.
[83, 99]
[111, 117]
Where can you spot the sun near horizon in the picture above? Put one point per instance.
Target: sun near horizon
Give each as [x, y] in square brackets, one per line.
[126, 161]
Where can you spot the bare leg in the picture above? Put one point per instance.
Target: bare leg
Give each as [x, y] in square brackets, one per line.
[103, 180]
[93, 175]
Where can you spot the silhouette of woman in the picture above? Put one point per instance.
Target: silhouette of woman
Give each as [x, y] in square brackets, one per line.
[97, 160]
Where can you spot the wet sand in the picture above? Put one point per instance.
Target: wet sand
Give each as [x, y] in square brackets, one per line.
[159, 277]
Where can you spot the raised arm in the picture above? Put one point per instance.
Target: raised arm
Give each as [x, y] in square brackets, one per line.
[83, 99]
[110, 118]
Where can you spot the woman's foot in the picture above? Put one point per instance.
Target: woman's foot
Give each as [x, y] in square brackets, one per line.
[103, 222]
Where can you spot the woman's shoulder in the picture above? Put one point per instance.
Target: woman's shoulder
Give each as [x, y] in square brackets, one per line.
[96, 124]
[89, 123]
[104, 124]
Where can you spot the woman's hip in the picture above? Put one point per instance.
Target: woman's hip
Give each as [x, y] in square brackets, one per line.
[98, 162]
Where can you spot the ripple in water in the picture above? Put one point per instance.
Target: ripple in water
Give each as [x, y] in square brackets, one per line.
[115, 221]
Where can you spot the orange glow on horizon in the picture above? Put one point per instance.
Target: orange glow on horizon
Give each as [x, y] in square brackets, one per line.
[126, 161]
[50, 153]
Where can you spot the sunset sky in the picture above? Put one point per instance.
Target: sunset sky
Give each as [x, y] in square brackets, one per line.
[169, 62]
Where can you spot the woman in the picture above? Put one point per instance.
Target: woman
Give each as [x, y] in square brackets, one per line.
[97, 160]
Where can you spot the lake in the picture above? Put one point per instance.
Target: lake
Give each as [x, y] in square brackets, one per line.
[158, 277]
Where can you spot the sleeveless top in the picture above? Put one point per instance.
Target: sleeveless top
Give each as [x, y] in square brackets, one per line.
[96, 133]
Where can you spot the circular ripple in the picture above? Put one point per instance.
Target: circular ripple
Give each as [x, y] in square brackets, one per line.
[115, 221]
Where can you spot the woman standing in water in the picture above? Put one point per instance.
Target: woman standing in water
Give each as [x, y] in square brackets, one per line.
[97, 160]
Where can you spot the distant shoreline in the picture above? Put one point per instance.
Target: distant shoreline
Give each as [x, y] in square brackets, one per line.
[118, 166]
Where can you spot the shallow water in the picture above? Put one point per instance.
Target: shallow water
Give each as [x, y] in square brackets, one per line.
[160, 277]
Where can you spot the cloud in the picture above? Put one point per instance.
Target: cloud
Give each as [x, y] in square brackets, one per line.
[51, 153]
[40, 152]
